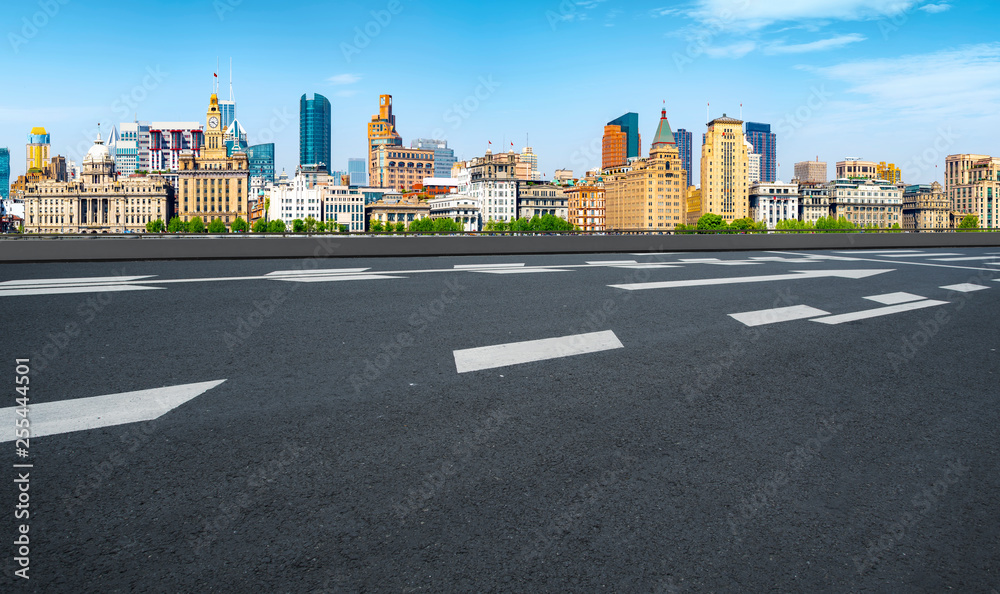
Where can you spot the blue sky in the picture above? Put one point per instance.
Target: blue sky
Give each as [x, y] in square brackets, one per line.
[896, 80]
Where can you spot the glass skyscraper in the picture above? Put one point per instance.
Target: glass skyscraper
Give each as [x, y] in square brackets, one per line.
[4, 173]
[444, 157]
[357, 168]
[261, 161]
[763, 141]
[684, 139]
[314, 131]
[629, 124]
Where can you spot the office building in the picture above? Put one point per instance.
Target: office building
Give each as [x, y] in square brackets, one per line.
[753, 165]
[463, 209]
[37, 150]
[314, 131]
[343, 205]
[444, 157]
[814, 201]
[764, 144]
[357, 168]
[889, 172]
[530, 160]
[684, 140]
[811, 171]
[972, 185]
[725, 170]
[98, 202]
[167, 140]
[621, 141]
[381, 133]
[536, 199]
[394, 209]
[926, 207]
[297, 198]
[866, 202]
[213, 185]
[260, 158]
[773, 202]
[856, 169]
[235, 138]
[586, 205]
[4, 173]
[650, 193]
[492, 180]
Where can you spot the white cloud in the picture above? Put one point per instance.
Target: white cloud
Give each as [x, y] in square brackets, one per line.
[756, 14]
[814, 46]
[344, 79]
[736, 50]
[346, 93]
[935, 8]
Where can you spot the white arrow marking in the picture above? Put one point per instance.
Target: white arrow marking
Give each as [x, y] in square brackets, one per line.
[80, 289]
[518, 270]
[796, 275]
[965, 258]
[80, 414]
[965, 287]
[487, 266]
[894, 298]
[335, 277]
[105, 280]
[515, 353]
[326, 271]
[778, 314]
[874, 313]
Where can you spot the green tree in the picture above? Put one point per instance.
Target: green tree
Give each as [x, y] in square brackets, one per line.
[217, 226]
[969, 223]
[446, 225]
[741, 225]
[240, 225]
[309, 224]
[400, 227]
[711, 222]
[276, 226]
[176, 225]
[421, 225]
[155, 226]
[298, 226]
[375, 226]
[260, 226]
[196, 225]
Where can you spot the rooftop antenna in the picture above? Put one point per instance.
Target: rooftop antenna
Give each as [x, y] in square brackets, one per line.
[708, 111]
[741, 111]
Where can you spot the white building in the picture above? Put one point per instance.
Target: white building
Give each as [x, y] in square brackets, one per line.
[295, 200]
[497, 198]
[866, 202]
[166, 141]
[344, 205]
[772, 202]
[458, 207]
[529, 157]
[753, 165]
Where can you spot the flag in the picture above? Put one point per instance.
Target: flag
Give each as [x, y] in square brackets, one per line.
[215, 75]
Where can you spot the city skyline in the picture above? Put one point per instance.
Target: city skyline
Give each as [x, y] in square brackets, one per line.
[831, 82]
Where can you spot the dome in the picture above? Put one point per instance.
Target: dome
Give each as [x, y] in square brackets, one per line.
[97, 153]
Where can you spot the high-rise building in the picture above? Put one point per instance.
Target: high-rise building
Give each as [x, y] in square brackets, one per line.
[648, 193]
[4, 173]
[381, 133]
[926, 206]
[972, 184]
[724, 170]
[684, 140]
[889, 172]
[529, 158]
[764, 144]
[260, 158]
[357, 169]
[813, 172]
[856, 169]
[235, 138]
[38, 149]
[213, 185]
[167, 140]
[753, 165]
[621, 141]
[314, 131]
[444, 157]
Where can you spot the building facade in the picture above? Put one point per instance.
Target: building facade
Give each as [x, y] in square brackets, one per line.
[444, 157]
[972, 184]
[753, 165]
[391, 210]
[648, 194]
[37, 150]
[764, 143]
[492, 180]
[586, 206]
[213, 185]
[926, 207]
[773, 202]
[725, 170]
[621, 141]
[684, 140]
[463, 209]
[889, 172]
[381, 133]
[814, 201]
[295, 199]
[4, 173]
[401, 168]
[866, 202]
[343, 205]
[314, 131]
[98, 202]
[260, 159]
[857, 169]
[811, 171]
[540, 199]
[357, 169]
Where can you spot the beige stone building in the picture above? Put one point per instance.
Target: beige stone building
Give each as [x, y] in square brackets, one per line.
[857, 169]
[539, 199]
[725, 170]
[926, 207]
[811, 171]
[814, 201]
[972, 185]
[866, 202]
[97, 202]
[693, 205]
[650, 193]
[213, 185]
[397, 209]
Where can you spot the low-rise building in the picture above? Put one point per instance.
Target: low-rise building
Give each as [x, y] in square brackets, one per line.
[773, 202]
[972, 184]
[539, 199]
[344, 205]
[585, 205]
[866, 202]
[458, 207]
[294, 199]
[814, 201]
[925, 207]
[856, 169]
[811, 171]
[393, 209]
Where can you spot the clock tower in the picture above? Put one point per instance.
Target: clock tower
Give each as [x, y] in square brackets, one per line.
[215, 146]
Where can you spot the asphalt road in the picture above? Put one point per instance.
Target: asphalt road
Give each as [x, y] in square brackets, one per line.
[345, 452]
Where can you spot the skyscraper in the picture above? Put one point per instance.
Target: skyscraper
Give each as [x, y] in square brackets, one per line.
[444, 157]
[235, 137]
[724, 170]
[314, 131]
[390, 164]
[37, 149]
[621, 140]
[764, 144]
[381, 132]
[684, 139]
[357, 169]
[261, 161]
[4, 173]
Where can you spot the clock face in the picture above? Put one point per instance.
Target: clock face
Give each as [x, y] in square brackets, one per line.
[213, 122]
